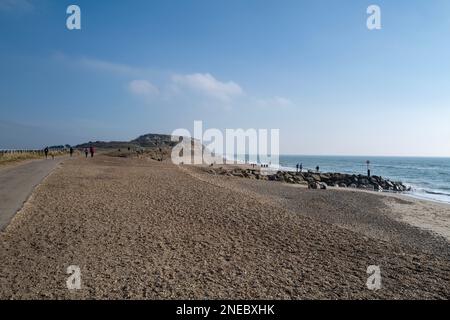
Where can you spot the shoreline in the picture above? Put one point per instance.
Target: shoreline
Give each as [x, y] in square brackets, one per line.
[426, 214]
[407, 193]
[439, 210]
[418, 189]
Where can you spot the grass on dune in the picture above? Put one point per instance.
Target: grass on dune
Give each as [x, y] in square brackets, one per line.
[7, 158]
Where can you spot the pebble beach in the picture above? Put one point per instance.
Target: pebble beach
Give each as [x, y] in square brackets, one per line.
[145, 229]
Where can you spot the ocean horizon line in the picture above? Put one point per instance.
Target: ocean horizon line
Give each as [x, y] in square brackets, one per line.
[355, 156]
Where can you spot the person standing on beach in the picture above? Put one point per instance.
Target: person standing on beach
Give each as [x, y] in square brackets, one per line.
[71, 151]
[297, 167]
[46, 152]
[317, 169]
[92, 151]
[86, 152]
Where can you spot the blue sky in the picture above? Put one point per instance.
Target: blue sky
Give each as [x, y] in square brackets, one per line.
[309, 68]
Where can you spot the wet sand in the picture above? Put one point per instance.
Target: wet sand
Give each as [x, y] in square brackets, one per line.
[143, 229]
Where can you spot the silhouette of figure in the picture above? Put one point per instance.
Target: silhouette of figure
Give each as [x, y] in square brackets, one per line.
[92, 151]
[46, 152]
[71, 151]
[317, 169]
[86, 152]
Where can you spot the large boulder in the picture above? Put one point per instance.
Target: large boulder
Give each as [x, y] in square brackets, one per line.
[377, 187]
[313, 185]
[310, 179]
[364, 181]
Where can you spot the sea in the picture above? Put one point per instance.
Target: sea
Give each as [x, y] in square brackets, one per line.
[429, 178]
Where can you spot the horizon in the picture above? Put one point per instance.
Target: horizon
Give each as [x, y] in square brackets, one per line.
[312, 70]
[41, 147]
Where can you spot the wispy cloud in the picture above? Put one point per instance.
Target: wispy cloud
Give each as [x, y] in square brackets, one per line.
[12, 5]
[275, 102]
[143, 88]
[201, 89]
[99, 65]
[205, 84]
[102, 65]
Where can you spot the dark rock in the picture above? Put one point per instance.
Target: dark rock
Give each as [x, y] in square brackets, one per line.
[312, 185]
[315, 180]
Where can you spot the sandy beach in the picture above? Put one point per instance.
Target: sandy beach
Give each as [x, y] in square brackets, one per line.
[143, 229]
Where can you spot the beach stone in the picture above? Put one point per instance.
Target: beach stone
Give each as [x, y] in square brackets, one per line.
[312, 185]
[389, 184]
[378, 188]
[364, 181]
[323, 186]
[310, 179]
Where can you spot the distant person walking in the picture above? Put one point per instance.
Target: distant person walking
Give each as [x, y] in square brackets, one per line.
[71, 151]
[317, 169]
[297, 167]
[86, 152]
[46, 152]
[92, 151]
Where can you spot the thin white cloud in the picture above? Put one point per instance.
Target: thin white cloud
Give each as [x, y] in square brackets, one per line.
[109, 66]
[275, 102]
[143, 88]
[11, 5]
[99, 65]
[205, 84]
[200, 89]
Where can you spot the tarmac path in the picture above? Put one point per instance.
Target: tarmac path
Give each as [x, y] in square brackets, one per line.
[17, 183]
